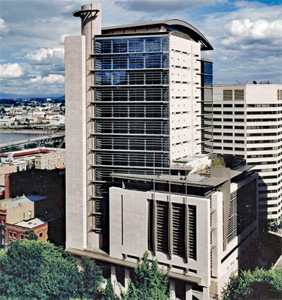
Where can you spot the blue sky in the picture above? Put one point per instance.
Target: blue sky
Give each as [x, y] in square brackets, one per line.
[246, 36]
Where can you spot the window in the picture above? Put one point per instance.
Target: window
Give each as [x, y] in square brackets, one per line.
[178, 217]
[192, 232]
[279, 94]
[180, 228]
[239, 94]
[227, 95]
[41, 235]
[162, 226]
[232, 222]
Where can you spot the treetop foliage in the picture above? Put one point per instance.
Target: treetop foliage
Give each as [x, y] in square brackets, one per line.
[32, 269]
[259, 284]
[149, 283]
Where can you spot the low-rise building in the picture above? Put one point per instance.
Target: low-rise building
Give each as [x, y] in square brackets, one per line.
[4, 170]
[51, 160]
[40, 158]
[19, 230]
[196, 225]
[17, 216]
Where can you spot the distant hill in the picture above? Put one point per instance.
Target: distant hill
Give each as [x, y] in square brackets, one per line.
[30, 96]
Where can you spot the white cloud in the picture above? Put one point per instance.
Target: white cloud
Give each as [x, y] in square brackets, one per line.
[62, 38]
[46, 54]
[50, 79]
[253, 30]
[3, 27]
[157, 6]
[11, 71]
[247, 42]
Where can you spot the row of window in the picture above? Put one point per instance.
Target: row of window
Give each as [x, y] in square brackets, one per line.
[132, 94]
[132, 61]
[133, 143]
[132, 111]
[124, 45]
[131, 78]
[248, 106]
[183, 230]
[132, 159]
[132, 127]
[230, 95]
[228, 105]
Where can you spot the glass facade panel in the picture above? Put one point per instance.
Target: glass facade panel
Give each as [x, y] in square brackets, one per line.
[125, 45]
[131, 70]
[207, 68]
[131, 78]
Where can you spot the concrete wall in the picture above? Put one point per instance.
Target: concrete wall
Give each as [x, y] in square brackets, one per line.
[6, 169]
[21, 212]
[75, 93]
[251, 128]
[50, 161]
[221, 271]
[129, 229]
[185, 109]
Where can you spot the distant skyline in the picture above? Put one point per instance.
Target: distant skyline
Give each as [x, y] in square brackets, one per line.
[246, 36]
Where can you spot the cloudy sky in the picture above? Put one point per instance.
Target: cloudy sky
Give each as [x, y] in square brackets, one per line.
[246, 36]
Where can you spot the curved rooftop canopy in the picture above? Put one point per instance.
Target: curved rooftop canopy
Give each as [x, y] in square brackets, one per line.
[166, 25]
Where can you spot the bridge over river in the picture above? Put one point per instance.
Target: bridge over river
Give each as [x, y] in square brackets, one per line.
[44, 139]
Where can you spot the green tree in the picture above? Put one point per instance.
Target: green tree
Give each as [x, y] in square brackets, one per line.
[259, 284]
[149, 283]
[109, 293]
[218, 162]
[33, 270]
[91, 278]
[30, 235]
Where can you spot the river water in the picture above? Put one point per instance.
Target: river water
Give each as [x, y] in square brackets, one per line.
[12, 137]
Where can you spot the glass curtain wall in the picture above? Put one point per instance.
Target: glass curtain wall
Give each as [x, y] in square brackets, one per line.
[206, 106]
[131, 107]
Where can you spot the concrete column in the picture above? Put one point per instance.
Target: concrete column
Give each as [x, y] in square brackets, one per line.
[170, 229]
[172, 289]
[188, 291]
[186, 232]
[206, 293]
[126, 278]
[75, 93]
[114, 277]
[154, 225]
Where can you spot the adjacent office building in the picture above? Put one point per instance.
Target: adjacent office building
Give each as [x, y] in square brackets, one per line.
[247, 122]
[137, 115]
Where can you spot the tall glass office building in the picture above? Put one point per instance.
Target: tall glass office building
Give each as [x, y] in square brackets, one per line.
[134, 105]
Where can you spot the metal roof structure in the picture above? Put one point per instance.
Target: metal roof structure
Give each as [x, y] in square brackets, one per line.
[205, 181]
[170, 25]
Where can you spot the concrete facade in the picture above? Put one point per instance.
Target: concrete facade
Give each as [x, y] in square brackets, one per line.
[217, 252]
[6, 169]
[184, 74]
[247, 123]
[99, 139]
[76, 185]
[18, 209]
[50, 161]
